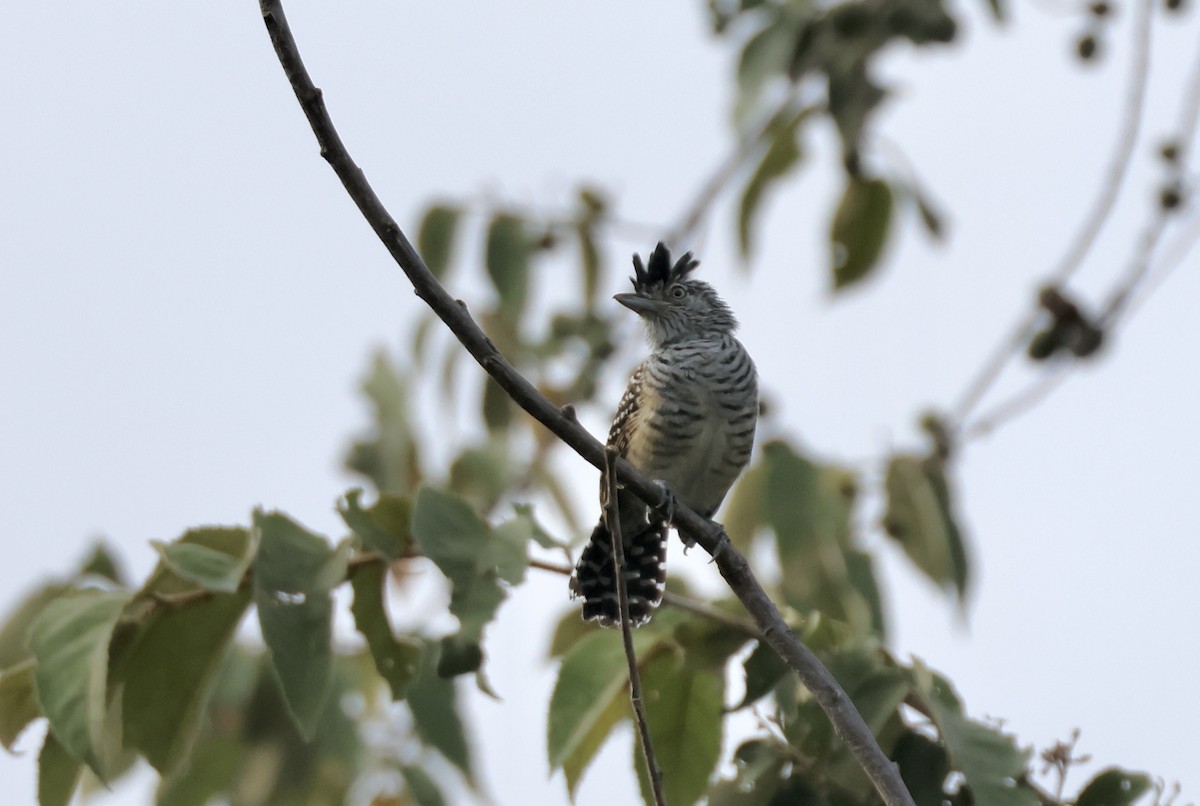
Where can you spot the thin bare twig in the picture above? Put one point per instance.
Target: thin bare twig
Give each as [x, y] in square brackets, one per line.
[847, 722]
[1189, 118]
[551, 567]
[1183, 246]
[1018, 404]
[1054, 377]
[714, 614]
[1142, 259]
[1122, 156]
[1010, 346]
[613, 516]
[722, 176]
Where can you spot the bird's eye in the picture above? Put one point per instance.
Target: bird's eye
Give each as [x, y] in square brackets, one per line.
[678, 291]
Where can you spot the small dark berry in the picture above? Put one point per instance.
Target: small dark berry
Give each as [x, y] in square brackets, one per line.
[1087, 342]
[1169, 151]
[1100, 9]
[1170, 196]
[1086, 47]
[1044, 345]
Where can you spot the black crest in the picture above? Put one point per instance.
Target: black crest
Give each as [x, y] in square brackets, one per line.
[660, 270]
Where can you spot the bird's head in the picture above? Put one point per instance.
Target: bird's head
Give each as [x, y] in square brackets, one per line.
[673, 306]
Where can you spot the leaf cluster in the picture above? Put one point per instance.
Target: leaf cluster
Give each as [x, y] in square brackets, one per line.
[824, 54]
[154, 671]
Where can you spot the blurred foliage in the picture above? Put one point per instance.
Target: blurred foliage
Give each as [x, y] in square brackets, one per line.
[825, 54]
[119, 670]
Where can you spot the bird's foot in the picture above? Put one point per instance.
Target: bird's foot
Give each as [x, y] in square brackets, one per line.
[723, 542]
[666, 505]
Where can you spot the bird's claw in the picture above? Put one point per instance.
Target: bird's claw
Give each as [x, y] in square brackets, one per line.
[723, 542]
[668, 502]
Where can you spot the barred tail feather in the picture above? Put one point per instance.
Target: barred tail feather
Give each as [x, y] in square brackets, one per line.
[645, 572]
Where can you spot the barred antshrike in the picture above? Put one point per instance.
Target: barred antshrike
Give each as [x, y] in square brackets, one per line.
[686, 419]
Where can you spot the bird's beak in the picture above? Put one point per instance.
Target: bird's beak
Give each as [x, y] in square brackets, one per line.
[640, 305]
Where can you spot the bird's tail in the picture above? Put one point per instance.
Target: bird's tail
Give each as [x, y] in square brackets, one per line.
[645, 572]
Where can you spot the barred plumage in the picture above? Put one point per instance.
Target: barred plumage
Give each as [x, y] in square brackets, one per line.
[687, 418]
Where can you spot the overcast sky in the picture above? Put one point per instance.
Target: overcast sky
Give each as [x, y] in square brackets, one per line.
[188, 299]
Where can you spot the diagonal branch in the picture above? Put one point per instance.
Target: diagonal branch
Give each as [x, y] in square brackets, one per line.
[847, 722]
[613, 516]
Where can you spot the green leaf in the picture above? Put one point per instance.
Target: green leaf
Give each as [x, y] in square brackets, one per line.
[497, 408]
[853, 95]
[15, 632]
[859, 230]
[708, 645]
[449, 532]
[476, 560]
[508, 250]
[386, 527]
[70, 639]
[875, 686]
[763, 669]
[215, 558]
[102, 563]
[923, 766]
[920, 518]
[764, 58]
[18, 702]
[684, 709]
[252, 752]
[1114, 787]
[591, 695]
[759, 765]
[421, 786]
[212, 770]
[169, 673]
[860, 573]
[536, 533]
[483, 474]
[293, 573]
[388, 456]
[744, 512]
[810, 508]
[571, 629]
[988, 759]
[396, 660]
[432, 700]
[58, 773]
[589, 260]
[435, 237]
[781, 156]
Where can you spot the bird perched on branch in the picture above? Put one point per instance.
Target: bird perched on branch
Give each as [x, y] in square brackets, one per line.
[687, 419]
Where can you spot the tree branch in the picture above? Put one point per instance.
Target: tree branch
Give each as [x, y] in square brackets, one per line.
[613, 516]
[847, 722]
[1085, 238]
[722, 175]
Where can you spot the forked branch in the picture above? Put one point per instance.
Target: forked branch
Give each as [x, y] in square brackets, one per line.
[847, 722]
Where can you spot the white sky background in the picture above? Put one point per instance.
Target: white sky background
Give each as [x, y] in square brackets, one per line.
[188, 299]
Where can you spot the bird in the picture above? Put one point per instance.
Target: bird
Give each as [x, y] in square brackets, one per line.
[687, 419]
